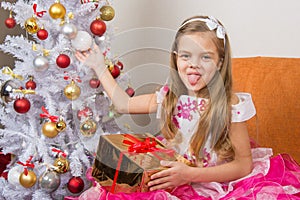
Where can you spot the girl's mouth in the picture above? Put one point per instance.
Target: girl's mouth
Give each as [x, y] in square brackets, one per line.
[193, 78]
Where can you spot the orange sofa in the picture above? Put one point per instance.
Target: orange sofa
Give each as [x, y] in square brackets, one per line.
[275, 87]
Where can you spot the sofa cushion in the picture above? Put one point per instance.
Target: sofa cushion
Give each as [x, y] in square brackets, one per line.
[275, 87]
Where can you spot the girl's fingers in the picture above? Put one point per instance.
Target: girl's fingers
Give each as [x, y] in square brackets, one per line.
[160, 174]
[85, 53]
[161, 186]
[158, 181]
[167, 163]
[80, 56]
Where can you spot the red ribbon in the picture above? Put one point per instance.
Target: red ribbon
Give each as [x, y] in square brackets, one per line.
[76, 78]
[88, 1]
[106, 51]
[58, 151]
[47, 115]
[112, 189]
[39, 14]
[27, 164]
[137, 146]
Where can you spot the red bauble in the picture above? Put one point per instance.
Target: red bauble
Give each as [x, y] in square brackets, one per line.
[42, 34]
[94, 83]
[130, 91]
[120, 65]
[63, 61]
[115, 71]
[84, 113]
[98, 27]
[10, 22]
[30, 85]
[75, 184]
[22, 105]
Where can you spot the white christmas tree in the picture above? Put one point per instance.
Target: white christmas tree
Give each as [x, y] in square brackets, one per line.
[53, 107]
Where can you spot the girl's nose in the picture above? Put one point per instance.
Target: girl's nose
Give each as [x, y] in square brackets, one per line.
[193, 63]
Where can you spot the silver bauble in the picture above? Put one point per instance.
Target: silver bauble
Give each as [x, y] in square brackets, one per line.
[6, 89]
[49, 181]
[40, 63]
[14, 174]
[69, 30]
[99, 40]
[83, 41]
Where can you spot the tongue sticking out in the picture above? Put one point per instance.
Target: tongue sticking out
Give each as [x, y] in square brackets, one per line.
[193, 78]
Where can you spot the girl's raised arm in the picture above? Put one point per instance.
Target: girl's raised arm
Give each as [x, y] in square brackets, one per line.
[123, 103]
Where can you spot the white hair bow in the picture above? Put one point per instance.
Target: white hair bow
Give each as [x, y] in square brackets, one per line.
[212, 23]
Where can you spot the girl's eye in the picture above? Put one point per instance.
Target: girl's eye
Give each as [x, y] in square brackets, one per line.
[184, 56]
[206, 57]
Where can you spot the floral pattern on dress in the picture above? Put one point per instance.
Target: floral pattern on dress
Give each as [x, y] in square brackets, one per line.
[185, 110]
[206, 158]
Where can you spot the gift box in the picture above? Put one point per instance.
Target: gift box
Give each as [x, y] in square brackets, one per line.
[125, 162]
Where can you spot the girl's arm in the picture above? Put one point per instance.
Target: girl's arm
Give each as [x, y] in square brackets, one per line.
[179, 173]
[239, 167]
[123, 103]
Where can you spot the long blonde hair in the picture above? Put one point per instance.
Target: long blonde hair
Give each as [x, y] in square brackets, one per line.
[216, 118]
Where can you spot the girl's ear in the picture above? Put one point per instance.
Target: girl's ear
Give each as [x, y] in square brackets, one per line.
[220, 63]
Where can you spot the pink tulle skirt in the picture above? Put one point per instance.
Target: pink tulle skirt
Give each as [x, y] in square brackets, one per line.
[272, 178]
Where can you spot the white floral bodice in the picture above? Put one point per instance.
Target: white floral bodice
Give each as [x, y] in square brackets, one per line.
[187, 114]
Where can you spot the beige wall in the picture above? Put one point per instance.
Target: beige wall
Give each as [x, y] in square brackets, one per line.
[256, 27]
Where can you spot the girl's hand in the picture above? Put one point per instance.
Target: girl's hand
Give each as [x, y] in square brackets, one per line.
[92, 58]
[176, 174]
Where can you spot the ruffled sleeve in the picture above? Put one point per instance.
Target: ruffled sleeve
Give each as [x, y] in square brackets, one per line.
[160, 95]
[245, 109]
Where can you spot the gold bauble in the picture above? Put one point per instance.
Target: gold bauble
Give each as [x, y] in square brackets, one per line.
[28, 180]
[88, 128]
[57, 11]
[31, 25]
[107, 13]
[61, 125]
[49, 129]
[62, 165]
[72, 91]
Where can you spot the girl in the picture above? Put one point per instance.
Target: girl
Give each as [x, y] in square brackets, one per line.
[202, 119]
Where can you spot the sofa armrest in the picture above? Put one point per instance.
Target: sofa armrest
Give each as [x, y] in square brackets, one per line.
[275, 87]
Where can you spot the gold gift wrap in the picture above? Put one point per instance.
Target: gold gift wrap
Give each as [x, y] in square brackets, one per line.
[123, 165]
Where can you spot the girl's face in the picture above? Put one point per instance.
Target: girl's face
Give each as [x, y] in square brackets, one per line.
[197, 60]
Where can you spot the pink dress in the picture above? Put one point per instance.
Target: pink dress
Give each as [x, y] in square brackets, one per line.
[271, 178]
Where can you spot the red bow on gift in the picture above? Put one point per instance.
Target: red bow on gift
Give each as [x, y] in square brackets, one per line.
[137, 146]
